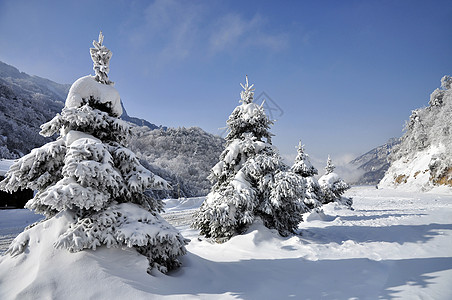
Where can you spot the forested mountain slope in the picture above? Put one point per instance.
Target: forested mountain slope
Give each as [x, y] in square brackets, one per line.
[424, 157]
[374, 163]
[26, 102]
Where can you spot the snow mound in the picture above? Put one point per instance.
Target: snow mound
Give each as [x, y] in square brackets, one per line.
[44, 272]
[87, 87]
[329, 179]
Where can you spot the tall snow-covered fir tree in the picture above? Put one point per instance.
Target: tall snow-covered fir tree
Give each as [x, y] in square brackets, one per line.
[250, 180]
[303, 167]
[333, 187]
[90, 174]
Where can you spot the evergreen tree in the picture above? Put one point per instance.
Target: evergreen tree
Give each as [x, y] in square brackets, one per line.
[329, 166]
[333, 187]
[303, 167]
[90, 174]
[250, 180]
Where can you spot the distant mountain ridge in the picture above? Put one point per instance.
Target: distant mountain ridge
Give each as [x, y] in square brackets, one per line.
[34, 84]
[374, 163]
[138, 121]
[26, 102]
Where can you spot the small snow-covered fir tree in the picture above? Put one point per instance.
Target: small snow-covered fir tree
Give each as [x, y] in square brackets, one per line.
[250, 180]
[303, 167]
[333, 187]
[329, 166]
[90, 174]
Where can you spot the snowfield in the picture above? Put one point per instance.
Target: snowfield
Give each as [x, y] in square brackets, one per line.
[394, 245]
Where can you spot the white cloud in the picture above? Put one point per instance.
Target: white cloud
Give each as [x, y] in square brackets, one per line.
[166, 31]
[232, 31]
[170, 31]
[175, 25]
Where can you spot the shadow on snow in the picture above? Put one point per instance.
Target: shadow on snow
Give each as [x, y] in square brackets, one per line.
[391, 234]
[266, 278]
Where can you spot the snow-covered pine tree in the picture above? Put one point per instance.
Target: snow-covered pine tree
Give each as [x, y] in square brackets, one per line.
[250, 180]
[303, 167]
[302, 164]
[333, 187]
[329, 166]
[90, 175]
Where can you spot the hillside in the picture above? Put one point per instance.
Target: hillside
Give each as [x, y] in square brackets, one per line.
[25, 103]
[423, 159]
[183, 156]
[374, 163]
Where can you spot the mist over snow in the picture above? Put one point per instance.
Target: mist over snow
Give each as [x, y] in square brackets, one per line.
[348, 172]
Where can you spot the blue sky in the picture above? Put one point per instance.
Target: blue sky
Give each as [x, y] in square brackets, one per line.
[342, 75]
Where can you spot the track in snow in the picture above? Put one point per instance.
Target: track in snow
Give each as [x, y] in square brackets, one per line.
[179, 218]
[7, 235]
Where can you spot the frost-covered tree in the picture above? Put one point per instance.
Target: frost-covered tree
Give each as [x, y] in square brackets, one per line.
[333, 187]
[101, 58]
[329, 166]
[303, 167]
[250, 180]
[89, 174]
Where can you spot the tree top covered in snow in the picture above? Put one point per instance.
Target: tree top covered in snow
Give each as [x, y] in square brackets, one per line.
[248, 118]
[247, 95]
[96, 91]
[302, 165]
[101, 56]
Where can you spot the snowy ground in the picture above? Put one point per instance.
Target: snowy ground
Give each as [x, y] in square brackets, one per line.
[394, 245]
[13, 222]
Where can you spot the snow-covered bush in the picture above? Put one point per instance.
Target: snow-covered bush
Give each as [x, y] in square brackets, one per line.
[250, 180]
[333, 187]
[90, 173]
[303, 167]
[428, 133]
